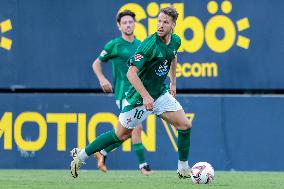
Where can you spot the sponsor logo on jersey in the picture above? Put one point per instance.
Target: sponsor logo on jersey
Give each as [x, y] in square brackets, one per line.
[163, 69]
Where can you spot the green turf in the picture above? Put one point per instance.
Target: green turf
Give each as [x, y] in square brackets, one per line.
[61, 179]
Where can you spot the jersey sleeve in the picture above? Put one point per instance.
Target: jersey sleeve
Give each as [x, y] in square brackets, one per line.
[107, 52]
[143, 54]
[177, 42]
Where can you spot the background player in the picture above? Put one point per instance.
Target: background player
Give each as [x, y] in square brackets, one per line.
[119, 50]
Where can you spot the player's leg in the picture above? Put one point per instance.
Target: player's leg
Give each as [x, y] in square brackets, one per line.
[127, 122]
[183, 125]
[171, 111]
[139, 150]
[101, 156]
[118, 135]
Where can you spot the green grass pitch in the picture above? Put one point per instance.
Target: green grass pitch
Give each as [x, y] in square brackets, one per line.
[61, 179]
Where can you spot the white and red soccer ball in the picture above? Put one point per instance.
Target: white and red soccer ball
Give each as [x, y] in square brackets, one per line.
[202, 173]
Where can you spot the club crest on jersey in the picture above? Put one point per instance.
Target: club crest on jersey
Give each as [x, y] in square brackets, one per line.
[163, 69]
[128, 120]
[103, 53]
[138, 57]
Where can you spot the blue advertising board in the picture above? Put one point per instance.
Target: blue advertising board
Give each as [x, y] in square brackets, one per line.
[37, 131]
[225, 44]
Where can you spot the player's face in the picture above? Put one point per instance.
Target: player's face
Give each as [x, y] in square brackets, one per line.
[165, 24]
[126, 25]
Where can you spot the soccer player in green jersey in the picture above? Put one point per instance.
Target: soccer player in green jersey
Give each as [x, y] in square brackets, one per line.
[149, 67]
[119, 50]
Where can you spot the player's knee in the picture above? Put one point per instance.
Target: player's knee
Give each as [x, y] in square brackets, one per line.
[123, 137]
[137, 130]
[136, 135]
[122, 133]
[184, 124]
[189, 124]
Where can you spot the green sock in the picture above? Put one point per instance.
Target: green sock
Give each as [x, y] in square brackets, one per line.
[112, 147]
[183, 144]
[139, 150]
[101, 142]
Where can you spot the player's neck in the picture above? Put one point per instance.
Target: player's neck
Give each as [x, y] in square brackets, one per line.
[166, 39]
[129, 38]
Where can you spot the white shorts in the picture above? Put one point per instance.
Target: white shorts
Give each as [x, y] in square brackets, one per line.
[165, 103]
[121, 104]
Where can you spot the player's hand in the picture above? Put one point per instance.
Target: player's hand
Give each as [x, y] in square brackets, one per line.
[173, 90]
[148, 102]
[106, 85]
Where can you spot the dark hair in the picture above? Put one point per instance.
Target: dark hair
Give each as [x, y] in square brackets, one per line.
[171, 11]
[125, 13]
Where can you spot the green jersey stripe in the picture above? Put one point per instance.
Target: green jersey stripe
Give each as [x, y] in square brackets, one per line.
[148, 46]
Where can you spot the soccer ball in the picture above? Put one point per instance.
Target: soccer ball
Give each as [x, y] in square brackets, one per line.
[202, 173]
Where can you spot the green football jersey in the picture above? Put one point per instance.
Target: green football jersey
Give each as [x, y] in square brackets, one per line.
[119, 51]
[153, 58]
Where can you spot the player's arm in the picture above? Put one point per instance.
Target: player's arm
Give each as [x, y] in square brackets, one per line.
[136, 82]
[172, 74]
[104, 82]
